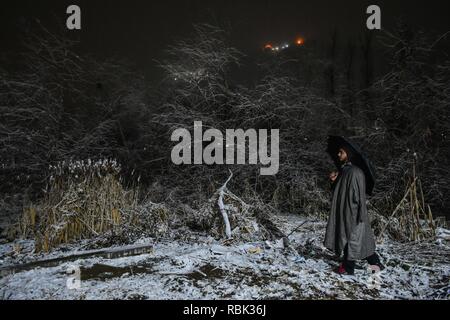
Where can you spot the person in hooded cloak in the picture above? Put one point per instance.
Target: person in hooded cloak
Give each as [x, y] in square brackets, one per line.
[348, 229]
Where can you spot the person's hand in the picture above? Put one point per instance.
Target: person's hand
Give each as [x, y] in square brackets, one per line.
[333, 176]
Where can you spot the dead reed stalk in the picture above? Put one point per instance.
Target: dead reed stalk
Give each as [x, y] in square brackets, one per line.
[83, 199]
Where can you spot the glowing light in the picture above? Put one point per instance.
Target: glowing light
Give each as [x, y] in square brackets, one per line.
[277, 48]
[300, 41]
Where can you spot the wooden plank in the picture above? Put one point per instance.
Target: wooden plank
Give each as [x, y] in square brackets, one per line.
[107, 253]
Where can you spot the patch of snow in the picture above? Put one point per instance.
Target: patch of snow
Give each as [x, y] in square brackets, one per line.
[204, 268]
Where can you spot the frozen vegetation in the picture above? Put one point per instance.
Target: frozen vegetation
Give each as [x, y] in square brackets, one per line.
[195, 266]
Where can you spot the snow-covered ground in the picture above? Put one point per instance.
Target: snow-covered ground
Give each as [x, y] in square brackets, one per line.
[199, 267]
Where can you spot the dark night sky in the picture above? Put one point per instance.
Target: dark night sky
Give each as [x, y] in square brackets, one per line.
[138, 30]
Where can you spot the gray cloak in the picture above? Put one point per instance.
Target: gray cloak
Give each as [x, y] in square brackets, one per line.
[349, 222]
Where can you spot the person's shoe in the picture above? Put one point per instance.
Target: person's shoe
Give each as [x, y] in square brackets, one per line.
[341, 270]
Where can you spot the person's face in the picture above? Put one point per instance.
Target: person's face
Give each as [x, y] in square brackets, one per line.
[342, 155]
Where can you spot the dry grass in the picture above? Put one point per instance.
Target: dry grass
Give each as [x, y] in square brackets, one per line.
[412, 219]
[84, 199]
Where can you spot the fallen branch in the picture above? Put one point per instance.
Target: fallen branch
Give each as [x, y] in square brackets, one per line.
[108, 253]
[223, 209]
